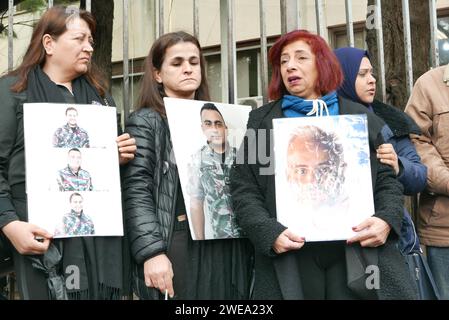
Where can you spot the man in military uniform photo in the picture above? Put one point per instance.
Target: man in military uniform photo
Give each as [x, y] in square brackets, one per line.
[76, 222]
[210, 203]
[71, 135]
[72, 177]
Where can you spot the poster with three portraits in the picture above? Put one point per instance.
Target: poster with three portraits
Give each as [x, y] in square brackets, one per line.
[72, 169]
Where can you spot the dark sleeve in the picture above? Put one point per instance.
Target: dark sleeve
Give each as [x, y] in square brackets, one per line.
[248, 197]
[388, 198]
[142, 224]
[387, 190]
[8, 131]
[413, 175]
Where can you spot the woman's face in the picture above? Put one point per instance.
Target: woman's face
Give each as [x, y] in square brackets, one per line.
[180, 72]
[71, 53]
[365, 83]
[298, 70]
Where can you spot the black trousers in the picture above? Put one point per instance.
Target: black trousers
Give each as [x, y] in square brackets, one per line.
[323, 271]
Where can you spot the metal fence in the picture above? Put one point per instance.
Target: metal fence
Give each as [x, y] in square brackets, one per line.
[290, 20]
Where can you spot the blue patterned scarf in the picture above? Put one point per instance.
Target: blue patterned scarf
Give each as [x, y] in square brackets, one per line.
[294, 106]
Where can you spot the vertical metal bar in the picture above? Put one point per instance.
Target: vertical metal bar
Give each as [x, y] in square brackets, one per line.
[10, 34]
[196, 21]
[380, 49]
[125, 60]
[283, 16]
[228, 51]
[50, 3]
[289, 15]
[88, 6]
[349, 23]
[407, 46]
[434, 49]
[320, 23]
[263, 50]
[161, 18]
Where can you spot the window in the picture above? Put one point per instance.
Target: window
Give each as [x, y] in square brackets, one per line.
[443, 36]
[248, 74]
[338, 36]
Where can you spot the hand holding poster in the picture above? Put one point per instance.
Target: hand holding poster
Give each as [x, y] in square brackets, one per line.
[205, 139]
[72, 170]
[323, 177]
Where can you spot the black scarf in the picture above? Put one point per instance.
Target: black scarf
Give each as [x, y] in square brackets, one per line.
[400, 123]
[99, 259]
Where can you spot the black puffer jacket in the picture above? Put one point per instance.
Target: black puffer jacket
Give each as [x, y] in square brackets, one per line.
[149, 185]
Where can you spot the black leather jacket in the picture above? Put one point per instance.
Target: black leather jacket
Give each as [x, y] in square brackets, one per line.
[149, 184]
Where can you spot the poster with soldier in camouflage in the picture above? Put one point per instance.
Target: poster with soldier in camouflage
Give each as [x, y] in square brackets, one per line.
[72, 172]
[204, 158]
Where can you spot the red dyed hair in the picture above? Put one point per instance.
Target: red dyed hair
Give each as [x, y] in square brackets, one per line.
[330, 75]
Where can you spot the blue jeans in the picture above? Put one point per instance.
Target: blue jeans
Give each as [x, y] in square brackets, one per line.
[438, 260]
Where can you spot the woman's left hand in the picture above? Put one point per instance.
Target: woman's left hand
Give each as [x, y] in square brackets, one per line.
[372, 232]
[387, 155]
[126, 148]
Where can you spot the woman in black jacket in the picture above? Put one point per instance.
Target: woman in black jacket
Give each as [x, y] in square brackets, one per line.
[367, 265]
[56, 68]
[166, 259]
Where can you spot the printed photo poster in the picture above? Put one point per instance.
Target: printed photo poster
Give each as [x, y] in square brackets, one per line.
[322, 175]
[72, 169]
[206, 137]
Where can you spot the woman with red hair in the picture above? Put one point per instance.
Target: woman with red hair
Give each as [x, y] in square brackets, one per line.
[306, 75]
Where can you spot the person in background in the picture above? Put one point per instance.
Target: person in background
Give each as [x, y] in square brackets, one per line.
[398, 152]
[428, 105]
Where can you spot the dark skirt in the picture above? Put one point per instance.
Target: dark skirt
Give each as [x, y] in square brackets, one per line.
[220, 269]
[205, 270]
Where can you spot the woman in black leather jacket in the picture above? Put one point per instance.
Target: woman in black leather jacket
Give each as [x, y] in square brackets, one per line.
[166, 258]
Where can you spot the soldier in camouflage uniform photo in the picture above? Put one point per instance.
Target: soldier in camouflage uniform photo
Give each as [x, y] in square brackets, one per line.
[210, 203]
[71, 135]
[76, 222]
[72, 177]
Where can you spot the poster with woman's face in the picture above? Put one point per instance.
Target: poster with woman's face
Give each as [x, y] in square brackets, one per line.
[205, 137]
[72, 170]
[323, 175]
